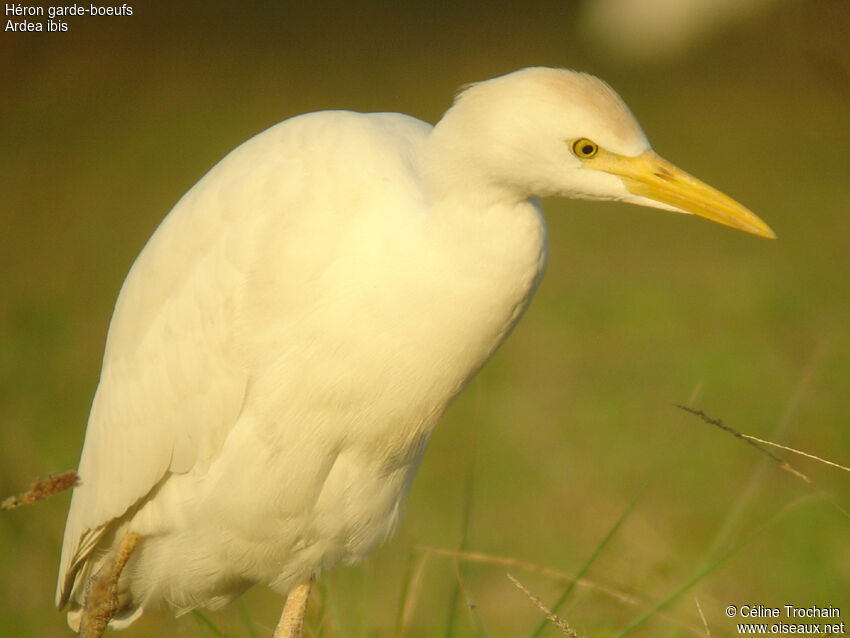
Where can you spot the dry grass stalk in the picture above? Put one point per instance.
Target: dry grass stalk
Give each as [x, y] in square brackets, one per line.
[412, 596]
[506, 561]
[759, 445]
[556, 620]
[744, 437]
[42, 488]
[702, 617]
[795, 451]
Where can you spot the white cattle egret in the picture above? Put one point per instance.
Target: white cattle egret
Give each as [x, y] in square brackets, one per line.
[287, 340]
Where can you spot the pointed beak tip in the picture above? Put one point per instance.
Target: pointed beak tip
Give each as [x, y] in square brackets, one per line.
[651, 176]
[760, 230]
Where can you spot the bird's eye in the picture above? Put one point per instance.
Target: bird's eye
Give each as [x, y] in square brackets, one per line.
[583, 148]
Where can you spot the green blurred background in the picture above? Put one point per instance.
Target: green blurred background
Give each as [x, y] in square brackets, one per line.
[106, 125]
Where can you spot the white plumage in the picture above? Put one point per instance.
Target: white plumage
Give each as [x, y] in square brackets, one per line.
[285, 343]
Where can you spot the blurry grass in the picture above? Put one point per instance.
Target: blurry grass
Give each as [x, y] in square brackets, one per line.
[556, 620]
[589, 562]
[700, 575]
[205, 625]
[104, 130]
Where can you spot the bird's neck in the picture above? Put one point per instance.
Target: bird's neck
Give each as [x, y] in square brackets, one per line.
[479, 221]
[484, 254]
[488, 255]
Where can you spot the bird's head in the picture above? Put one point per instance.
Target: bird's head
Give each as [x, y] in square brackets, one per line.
[543, 131]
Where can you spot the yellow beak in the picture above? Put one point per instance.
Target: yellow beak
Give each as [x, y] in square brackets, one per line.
[653, 177]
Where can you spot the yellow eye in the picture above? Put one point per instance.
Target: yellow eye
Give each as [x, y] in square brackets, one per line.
[583, 148]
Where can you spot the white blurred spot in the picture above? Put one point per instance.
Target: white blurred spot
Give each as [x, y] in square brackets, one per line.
[639, 31]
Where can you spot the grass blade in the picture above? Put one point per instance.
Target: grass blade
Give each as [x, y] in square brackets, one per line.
[559, 622]
[410, 591]
[246, 616]
[596, 552]
[705, 571]
[206, 624]
[467, 511]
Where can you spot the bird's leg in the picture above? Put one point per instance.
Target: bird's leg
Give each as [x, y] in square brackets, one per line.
[102, 589]
[292, 618]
